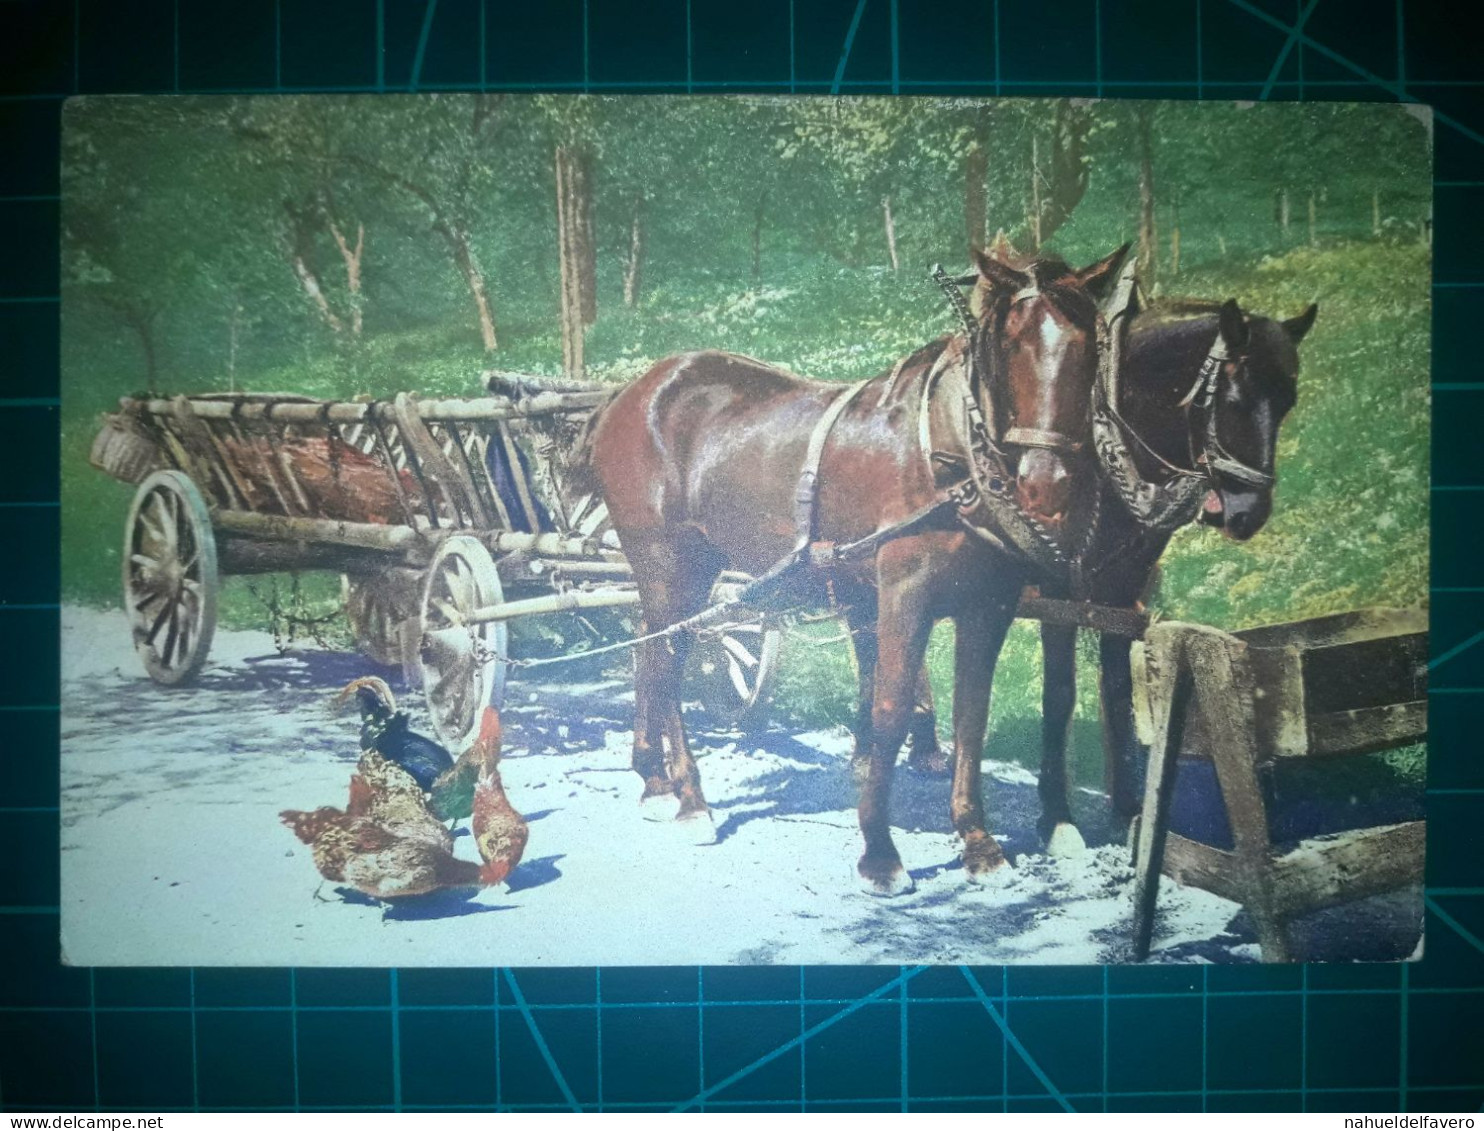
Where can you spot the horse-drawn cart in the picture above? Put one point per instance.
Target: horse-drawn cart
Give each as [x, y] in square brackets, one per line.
[444, 518]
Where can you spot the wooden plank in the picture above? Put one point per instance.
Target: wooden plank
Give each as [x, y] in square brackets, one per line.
[1326, 871]
[1194, 864]
[1369, 729]
[451, 477]
[1080, 614]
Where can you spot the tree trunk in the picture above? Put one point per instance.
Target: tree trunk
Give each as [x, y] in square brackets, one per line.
[586, 245]
[1175, 236]
[758, 214]
[1221, 244]
[976, 177]
[567, 255]
[142, 322]
[636, 253]
[1148, 249]
[1375, 212]
[891, 233]
[1283, 211]
[352, 258]
[232, 326]
[311, 284]
[473, 275]
[1035, 216]
[1313, 222]
[302, 224]
[1427, 227]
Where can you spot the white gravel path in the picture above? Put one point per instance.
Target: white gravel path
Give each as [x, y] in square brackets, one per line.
[172, 853]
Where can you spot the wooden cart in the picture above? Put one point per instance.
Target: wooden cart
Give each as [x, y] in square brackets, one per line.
[443, 517]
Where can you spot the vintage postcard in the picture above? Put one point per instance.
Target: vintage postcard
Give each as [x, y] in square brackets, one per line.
[519, 530]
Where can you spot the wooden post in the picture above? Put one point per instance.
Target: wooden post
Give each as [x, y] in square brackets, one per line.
[1171, 693]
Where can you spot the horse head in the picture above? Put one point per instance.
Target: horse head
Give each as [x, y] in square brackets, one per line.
[1235, 436]
[1039, 328]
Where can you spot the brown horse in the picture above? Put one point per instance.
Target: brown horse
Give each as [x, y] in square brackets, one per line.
[1230, 448]
[699, 462]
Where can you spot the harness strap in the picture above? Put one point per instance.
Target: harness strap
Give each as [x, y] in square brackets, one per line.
[808, 488]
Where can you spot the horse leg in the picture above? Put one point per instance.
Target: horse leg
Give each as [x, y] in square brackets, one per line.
[1058, 702]
[902, 634]
[674, 581]
[1120, 746]
[861, 621]
[978, 638]
[925, 754]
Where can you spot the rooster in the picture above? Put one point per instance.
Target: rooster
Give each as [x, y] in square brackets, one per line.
[386, 843]
[385, 730]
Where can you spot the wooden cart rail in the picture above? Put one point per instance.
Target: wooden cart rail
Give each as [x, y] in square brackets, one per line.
[353, 412]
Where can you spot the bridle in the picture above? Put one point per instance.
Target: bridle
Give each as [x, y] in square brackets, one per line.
[975, 333]
[989, 490]
[1176, 501]
[1200, 412]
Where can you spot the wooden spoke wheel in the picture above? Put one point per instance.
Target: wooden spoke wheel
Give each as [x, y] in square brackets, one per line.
[170, 577]
[376, 605]
[462, 663]
[735, 666]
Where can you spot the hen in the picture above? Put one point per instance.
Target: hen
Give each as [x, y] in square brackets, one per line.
[386, 843]
[373, 860]
[385, 730]
[499, 831]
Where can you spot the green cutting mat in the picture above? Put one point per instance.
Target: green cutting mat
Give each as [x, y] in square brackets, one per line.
[1323, 1037]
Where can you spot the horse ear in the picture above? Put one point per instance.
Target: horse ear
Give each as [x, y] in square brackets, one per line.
[1296, 328]
[998, 274]
[1233, 324]
[1097, 278]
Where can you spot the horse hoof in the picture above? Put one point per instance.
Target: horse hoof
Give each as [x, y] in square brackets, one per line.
[983, 858]
[698, 828]
[1065, 842]
[934, 764]
[884, 883]
[660, 808]
[992, 876]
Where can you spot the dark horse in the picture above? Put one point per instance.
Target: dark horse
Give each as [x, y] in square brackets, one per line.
[700, 463]
[1230, 445]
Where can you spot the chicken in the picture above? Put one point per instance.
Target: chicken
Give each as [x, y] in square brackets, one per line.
[385, 730]
[500, 832]
[375, 861]
[387, 844]
[389, 797]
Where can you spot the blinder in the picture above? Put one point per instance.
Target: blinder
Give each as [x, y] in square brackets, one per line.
[1200, 406]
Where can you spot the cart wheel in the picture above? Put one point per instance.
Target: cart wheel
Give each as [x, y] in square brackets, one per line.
[170, 577]
[376, 606]
[735, 666]
[463, 664]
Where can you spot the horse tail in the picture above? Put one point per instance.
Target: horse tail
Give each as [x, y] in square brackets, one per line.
[581, 478]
